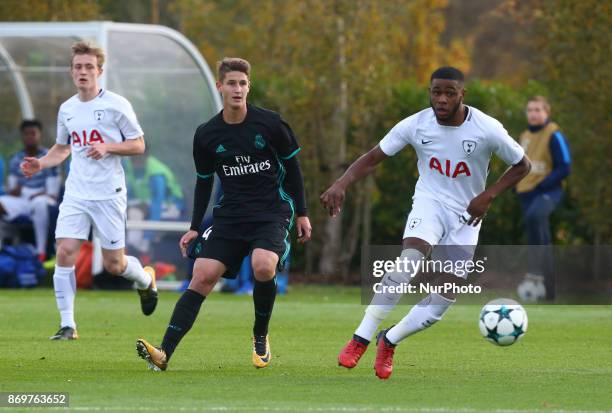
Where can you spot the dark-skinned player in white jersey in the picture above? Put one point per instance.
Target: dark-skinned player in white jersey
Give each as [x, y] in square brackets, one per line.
[253, 152]
[454, 143]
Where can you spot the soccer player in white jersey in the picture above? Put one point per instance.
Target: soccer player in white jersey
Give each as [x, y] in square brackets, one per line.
[454, 144]
[96, 127]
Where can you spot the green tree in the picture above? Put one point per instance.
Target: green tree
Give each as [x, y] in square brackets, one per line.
[329, 67]
[573, 46]
[49, 10]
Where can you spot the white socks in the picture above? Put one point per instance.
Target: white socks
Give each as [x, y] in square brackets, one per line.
[135, 272]
[64, 283]
[423, 315]
[382, 304]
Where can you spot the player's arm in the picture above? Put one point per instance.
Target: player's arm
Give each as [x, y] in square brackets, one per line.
[204, 164]
[334, 196]
[509, 151]
[287, 148]
[127, 122]
[55, 156]
[129, 147]
[480, 205]
[201, 197]
[295, 188]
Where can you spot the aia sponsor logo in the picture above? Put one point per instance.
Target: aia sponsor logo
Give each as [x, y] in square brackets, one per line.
[448, 168]
[84, 139]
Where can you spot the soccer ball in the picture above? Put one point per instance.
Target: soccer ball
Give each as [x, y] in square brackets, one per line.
[531, 290]
[503, 321]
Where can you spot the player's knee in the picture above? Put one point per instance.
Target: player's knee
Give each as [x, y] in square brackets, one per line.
[413, 259]
[203, 281]
[264, 268]
[66, 254]
[115, 266]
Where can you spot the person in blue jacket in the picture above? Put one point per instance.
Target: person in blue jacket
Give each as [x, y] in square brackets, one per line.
[541, 191]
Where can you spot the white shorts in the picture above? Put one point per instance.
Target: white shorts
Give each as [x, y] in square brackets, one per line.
[432, 221]
[22, 205]
[77, 216]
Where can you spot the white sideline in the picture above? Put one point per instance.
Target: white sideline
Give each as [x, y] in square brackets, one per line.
[407, 409]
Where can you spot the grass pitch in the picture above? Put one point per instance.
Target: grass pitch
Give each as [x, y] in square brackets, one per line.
[564, 362]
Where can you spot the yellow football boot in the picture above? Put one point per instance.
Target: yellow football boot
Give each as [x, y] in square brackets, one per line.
[261, 351]
[154, 356]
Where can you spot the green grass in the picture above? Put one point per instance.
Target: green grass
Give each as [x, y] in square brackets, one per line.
[564, 363]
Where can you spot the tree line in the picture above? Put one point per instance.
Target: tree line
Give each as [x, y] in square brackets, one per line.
[343, 72]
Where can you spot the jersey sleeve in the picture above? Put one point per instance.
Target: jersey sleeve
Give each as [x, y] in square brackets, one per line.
[63, 135]
[399, 136]
[128, 122]
[284, 141]
[502, 144]
[202, 157]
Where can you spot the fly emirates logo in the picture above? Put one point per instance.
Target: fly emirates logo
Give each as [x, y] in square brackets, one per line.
[245, 167]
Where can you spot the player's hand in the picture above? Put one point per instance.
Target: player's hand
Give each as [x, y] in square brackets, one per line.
[478, 208]
[304, 230]
[185, 240]
[30, 166]
[97, 151]
[332, 199]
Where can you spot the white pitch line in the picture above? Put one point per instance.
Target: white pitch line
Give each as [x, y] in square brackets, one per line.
[347, 409]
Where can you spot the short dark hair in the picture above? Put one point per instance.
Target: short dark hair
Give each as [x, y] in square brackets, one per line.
[232, 64]
[448, 72]
[30, 123]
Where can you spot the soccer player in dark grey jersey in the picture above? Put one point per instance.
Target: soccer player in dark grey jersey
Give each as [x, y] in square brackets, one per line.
[253, 151]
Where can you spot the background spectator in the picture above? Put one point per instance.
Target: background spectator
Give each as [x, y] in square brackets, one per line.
[31, 198]
[541, 191]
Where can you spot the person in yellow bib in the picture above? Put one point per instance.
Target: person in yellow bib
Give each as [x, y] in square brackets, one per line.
[541, 191]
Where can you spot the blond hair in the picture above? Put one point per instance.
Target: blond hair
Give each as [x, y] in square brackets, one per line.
[541, 99]
[84, 47]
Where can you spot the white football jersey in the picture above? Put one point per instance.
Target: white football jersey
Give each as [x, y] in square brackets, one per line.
[107, 118]
[453, 161]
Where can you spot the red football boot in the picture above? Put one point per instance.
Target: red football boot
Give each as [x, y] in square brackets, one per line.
[351, 353]
[383, 365]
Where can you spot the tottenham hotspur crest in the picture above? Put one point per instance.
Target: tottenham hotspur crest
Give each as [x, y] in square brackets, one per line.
[469, 147]
[98, 114]
[260, 143]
